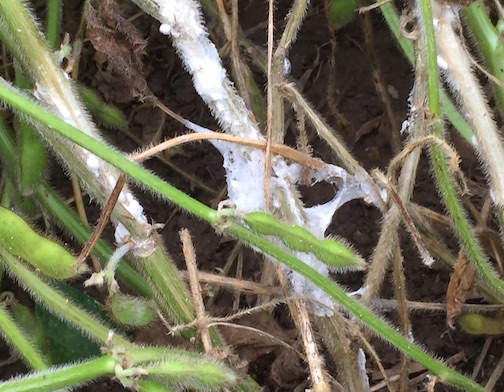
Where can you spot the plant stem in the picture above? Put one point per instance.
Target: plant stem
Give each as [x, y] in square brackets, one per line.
[466, 87]
[53, 22]
[57, 303]
[428, 37]
[441, 170]
[64, 216]
[372, 321]
[19, 341]
[490, 42]
[10, 96]
[56, 378]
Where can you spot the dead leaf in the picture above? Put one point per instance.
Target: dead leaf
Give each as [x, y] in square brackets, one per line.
[287, 369]
[120, 41]
[461, 282]
[250, 344]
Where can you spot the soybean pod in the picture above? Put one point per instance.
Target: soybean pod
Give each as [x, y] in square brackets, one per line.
[330, 251]
[263, 223]
[477, 324]
[47, 256]
[29, 323]
[339, 255]
[131, 311]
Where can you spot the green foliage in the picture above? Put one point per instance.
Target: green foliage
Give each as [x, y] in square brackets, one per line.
[342, 12]
[32, 151]
[67, 344]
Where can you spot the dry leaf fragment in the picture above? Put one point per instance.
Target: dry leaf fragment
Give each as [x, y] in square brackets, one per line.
[120, 41]
[461, 282]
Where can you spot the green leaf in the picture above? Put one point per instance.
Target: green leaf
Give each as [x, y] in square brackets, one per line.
[67, 344]
[342, 12]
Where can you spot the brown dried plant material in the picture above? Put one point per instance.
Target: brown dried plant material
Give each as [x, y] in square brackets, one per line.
[121, 42]
[490, 240]
[461, 282]
[266, 337]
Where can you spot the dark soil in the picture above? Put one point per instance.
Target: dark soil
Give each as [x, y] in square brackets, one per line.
[272, 367]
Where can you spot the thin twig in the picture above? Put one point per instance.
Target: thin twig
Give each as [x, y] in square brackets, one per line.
[269, 111]
[102, 221]
[400, 293]
[373, 6]
[299, 314]
[313, 356]
[385, 305]
[482, 356]
[234, 284]
[192, 272]
[238, 275]
[496, 374]
[415, 235]
[280, 149]
[370, 349]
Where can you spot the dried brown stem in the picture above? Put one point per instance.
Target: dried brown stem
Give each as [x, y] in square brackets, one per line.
[102, 221]
[192, 272]
[280, 149]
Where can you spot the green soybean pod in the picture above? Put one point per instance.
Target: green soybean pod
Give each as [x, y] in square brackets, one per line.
[131, 311]
[21, 240]
[298, 238]
[32, 150]
[152, 386]
[263, 223]
[342, 12]
[191, 373]
[331, 252]
[108, 114]
[294, 237]
[338, 255]
[29, 323]
[477, 324]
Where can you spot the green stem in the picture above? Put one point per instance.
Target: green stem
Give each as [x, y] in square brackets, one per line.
[19, 341]
[12, 97]
[381, 328]
[170, 290]
[57, 378]
[64, 215]
[172, 300]
[429, 38]
[57, 303]
[53, 22]
[67, 219]
[443, 176]
[32, 152]
[490, 42]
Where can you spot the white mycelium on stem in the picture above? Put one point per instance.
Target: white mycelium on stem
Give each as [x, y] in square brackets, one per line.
[98, 176]
[55, 90]
[182, 20]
